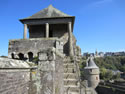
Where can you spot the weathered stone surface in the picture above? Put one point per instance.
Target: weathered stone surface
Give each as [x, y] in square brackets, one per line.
[43, 56]
[11, 63]
[59, 46]
[29, 45]
[24, 47]
[50, 73]
[14, 76]
[47, 83]
[14, 81]
[59, 89]
[47, 66]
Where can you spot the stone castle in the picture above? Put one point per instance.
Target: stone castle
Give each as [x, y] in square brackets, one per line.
[48, 61]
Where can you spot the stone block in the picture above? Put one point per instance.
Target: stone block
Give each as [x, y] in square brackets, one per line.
[51, 56]
[46, 66]
[43, 56]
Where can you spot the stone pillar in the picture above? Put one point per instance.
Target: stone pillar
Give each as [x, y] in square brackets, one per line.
[25, 31]
[70, 39]
[47, 30]
[46, 73]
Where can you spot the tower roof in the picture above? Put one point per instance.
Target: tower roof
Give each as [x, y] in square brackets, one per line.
[91, 64]
[49, 12]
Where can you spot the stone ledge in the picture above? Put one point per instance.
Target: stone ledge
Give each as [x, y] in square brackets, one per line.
[54, 38]
[11, 63]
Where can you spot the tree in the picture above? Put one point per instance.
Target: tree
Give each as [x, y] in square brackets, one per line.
[122, 68]
[117, 76]
[109, 75]
[102, 73]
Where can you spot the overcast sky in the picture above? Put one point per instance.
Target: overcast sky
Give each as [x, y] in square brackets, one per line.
[99, 24]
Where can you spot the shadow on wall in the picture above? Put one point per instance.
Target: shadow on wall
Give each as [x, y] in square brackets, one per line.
[30, 56]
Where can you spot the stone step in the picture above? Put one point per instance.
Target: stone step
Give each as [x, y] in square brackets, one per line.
[74, 89]
[67, 59]
[71, 82]
[69, 70]
[68, 65]
[69, 76]
[73, 92]
[70, 62]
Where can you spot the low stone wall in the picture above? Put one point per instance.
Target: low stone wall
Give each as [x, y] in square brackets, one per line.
[14, 76]
[17, 77]
[14, 81]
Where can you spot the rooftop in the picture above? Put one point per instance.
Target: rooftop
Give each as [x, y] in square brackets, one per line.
[91, 64]
[49, 12]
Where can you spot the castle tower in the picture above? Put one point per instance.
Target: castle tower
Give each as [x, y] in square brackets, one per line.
[92, 73]
[50, 37]
[48, 28]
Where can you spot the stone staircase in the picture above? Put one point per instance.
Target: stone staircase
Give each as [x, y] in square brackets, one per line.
[71, 84]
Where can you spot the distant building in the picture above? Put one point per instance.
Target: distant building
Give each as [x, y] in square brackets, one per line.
[101, 54]
[95, 55]
[119, 54]
[114, 54]
[108, 54]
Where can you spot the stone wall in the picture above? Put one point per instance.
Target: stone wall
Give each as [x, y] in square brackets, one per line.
[29, 45]
[59, 75]
[49, 76]
[92, 75]
[14, 76]
[14, 81]
[65, 40]
[33, 79]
